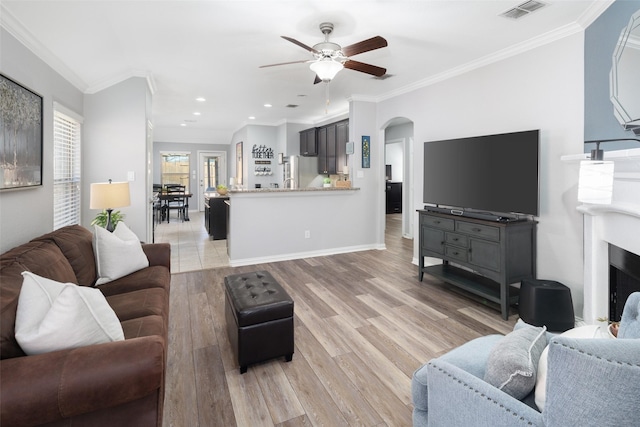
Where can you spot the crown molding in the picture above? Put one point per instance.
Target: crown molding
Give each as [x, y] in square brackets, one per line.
[14, 27]
[106, 83]
[586, 19]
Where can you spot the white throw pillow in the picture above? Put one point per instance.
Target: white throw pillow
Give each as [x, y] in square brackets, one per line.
[118, 253]
[57, 316]
[588, 331]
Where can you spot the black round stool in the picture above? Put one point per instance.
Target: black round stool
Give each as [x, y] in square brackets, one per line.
[546, 303]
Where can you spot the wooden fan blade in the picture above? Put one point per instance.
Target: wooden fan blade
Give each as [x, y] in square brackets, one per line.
[365, 68]
[317, 80]
[302, 45]
[286, 63]
[364, 46]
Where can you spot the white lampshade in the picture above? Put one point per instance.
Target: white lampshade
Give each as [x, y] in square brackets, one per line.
[595, 182]
[109, 195]
[326, 69]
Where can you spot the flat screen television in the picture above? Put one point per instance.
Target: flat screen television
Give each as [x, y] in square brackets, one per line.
[493, 174]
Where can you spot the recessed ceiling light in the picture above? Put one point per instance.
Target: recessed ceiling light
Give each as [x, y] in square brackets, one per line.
[252, 117]
[200, 99]
[268, 105]
[183, 124]
[196, 113]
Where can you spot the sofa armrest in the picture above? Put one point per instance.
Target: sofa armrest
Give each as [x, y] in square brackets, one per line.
[459, 398]
[592, 382]
[50, 387]
[158, 254]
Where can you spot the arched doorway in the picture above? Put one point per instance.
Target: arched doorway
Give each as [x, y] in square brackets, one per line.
[398, 172]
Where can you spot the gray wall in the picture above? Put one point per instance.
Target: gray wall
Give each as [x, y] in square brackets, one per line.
[551, 100]
[25, 214]
[599, 43]
[115, 144]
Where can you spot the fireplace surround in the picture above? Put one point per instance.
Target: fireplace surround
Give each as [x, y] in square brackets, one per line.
[624, 279]
[616, 224]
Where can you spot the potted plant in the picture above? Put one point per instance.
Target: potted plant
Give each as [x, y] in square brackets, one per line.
[222, 189]
[102, 218]
[326, 182]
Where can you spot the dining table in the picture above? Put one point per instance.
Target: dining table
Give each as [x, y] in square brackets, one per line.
[166, 198]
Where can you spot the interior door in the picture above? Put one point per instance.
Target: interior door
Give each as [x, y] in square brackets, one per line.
[212, 171]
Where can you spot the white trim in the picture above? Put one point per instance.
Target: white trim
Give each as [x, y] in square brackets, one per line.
[300, 255]
[57, 107]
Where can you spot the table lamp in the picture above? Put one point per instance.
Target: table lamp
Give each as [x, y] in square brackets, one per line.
[108, 196]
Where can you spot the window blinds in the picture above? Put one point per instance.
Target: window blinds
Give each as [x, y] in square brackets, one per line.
[66, 169]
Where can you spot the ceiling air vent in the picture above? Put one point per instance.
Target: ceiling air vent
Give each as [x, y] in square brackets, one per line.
[523, 9]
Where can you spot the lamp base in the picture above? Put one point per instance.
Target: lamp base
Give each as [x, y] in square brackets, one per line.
[110, 227]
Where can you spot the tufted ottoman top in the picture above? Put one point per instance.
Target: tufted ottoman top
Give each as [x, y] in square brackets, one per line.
[257, 297]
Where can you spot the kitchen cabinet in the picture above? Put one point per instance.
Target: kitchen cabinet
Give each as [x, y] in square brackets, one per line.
[215, 217]
[493, 255]
[332, 147]
[308, 143]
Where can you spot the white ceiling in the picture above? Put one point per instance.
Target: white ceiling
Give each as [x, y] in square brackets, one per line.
[214, 49]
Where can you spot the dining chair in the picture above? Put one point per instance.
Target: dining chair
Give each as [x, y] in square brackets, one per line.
[175, 200]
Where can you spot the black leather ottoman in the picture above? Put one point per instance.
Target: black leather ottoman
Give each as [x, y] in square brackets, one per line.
[259, 316]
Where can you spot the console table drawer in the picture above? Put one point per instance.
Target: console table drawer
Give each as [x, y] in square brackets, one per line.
[457, 239]
[441, 223]
[454, 253]
[479, 230]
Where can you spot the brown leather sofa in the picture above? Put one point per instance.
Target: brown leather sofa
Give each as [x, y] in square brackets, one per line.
[111, 384]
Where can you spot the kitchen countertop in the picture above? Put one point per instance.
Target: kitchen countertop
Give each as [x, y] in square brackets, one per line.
[292, 190]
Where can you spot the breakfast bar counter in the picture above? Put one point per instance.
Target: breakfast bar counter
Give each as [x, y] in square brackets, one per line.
[292, 190]
[275, 224]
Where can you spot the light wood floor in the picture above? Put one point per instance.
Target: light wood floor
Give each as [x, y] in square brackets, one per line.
[363, 324]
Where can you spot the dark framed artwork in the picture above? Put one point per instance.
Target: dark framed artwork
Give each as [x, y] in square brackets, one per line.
[20, 136]
[366, 151]
[239, 163]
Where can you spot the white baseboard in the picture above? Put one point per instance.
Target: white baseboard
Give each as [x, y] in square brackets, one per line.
[300, 255]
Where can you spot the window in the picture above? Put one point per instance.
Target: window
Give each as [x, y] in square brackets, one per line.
[175, 169]
[67, 128]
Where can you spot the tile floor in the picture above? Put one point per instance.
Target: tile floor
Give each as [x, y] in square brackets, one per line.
[191, 247]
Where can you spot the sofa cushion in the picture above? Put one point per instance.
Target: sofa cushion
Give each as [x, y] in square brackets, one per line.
[480, 348]
[43, 258]
[145, 302]
[513, 362]
[118, 253]
[150, 277]
[75, 242]
[57, 316]
[144, 327]
[10, 284]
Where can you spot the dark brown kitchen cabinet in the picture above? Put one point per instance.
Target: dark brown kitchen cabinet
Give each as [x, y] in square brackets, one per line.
[308, 143]
[332, 152]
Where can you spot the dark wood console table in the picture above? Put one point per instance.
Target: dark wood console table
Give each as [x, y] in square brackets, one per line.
[494, 254]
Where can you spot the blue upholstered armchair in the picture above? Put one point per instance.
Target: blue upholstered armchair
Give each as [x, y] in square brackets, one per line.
[589, 382]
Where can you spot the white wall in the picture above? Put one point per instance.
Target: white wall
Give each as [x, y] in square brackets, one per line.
[394, 156]
[540, 89]
[25, 214]
[115, 144]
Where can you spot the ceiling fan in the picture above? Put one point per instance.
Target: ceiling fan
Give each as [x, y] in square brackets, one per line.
[330, 58]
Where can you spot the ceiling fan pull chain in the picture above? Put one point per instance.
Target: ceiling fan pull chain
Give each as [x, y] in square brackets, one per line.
[326, 95]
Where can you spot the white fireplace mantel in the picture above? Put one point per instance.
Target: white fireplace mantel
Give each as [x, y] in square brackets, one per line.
[617, 223]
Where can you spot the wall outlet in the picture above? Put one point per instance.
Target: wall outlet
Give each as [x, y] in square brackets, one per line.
[307, 234]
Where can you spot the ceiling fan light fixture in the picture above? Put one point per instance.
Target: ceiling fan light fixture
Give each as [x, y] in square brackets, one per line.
[326, 69]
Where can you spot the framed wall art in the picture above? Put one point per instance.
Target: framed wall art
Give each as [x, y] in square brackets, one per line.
[20, 136]
[366, 151]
